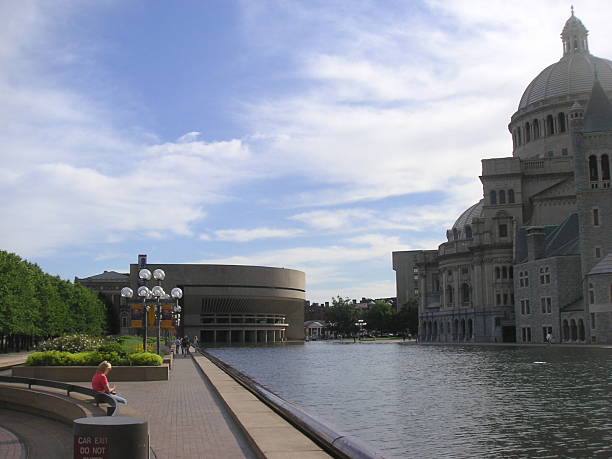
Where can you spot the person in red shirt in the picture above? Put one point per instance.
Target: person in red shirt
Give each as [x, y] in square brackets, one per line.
[100, 382]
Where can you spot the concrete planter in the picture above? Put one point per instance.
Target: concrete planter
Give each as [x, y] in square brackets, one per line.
[74, 374]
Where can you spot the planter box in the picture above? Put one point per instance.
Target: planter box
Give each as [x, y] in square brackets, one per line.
[74, 374]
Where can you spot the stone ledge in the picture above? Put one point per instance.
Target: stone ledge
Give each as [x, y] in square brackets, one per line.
[54, 406]
[79, 374]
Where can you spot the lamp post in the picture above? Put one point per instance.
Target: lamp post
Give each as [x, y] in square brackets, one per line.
[155, 295]
[360, 323]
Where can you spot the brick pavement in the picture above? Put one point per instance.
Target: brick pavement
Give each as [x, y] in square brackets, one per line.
[186, 419]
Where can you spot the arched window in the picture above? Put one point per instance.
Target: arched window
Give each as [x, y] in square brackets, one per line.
[580, 330]
[511, 196]
[449, 295]
[511, 272]
[550, 125]
[536, 129]
[573, 330]
[504, 272]
[470, 329]
[593, 175]
[455, 234]
[591, 294]
[520, 139]
[468, 232]
[605, 167]
[527, 132]
[497, 273]
[462, 328]
[502, 196]
[561, 122]
[493, 197]
[566, 332]
[455, 329]
[435, 329]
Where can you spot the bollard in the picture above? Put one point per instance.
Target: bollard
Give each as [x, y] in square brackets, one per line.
[116, 437]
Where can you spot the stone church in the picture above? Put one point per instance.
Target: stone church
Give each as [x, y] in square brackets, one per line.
[532, 258]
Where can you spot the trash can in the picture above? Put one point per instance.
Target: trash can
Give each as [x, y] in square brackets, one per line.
[116, 437]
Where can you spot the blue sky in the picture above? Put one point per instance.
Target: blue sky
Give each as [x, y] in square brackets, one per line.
[314, 135]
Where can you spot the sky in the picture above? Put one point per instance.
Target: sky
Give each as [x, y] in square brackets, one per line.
[313, 135]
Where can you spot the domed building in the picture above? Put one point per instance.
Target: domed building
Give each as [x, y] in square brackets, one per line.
[533, 258]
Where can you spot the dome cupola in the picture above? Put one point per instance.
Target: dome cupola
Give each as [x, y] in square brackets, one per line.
[574, 36]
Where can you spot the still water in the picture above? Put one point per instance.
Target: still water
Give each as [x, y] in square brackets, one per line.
[423, 402]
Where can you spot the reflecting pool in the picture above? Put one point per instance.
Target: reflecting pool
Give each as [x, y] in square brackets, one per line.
[423, 402]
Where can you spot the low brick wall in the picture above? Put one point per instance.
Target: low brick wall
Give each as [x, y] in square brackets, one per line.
[80, 374]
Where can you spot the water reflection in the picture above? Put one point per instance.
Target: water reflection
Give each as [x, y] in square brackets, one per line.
[447, 402]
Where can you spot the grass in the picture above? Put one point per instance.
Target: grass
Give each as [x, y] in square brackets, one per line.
[134, 344]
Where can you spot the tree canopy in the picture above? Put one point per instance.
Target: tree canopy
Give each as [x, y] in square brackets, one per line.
[35, 303]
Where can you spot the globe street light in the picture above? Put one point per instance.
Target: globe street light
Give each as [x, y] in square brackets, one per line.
[360, 323]
[156, 294]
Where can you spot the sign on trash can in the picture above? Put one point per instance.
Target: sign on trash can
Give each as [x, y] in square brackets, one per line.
[106, 437]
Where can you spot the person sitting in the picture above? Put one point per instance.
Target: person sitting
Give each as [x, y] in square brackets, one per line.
[100, 382]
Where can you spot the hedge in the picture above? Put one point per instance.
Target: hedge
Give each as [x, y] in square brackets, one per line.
[92, 358]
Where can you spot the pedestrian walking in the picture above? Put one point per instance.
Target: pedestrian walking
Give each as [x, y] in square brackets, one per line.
[177, 346]
[185, 345]
[196, 344]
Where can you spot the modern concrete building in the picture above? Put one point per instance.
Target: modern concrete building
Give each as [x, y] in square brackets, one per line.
[534, 255]
[227, 304]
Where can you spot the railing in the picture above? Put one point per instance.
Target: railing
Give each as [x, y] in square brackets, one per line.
[98, 396]
[335, 443]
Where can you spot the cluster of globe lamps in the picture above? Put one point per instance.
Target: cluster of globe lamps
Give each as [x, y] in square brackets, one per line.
[156, 294]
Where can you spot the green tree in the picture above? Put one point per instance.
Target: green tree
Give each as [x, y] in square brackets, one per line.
[341, 315]
[407, 318]
[379, 316]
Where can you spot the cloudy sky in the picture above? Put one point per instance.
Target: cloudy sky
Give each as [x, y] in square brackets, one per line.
[314, 135]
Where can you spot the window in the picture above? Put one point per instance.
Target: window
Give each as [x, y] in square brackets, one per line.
[504, 272]
[546, 304]
[498, 299]
[544, 275]
[497, 322]
[511, 272]
[561, 121]
[597, 252]
[415, 270]
[468, 232]
[505, 299]
[510, 196]
[591, 294]
[416, 292]
[596, 217]
[526, 332]
[523, 279]
[550, 125]
[497, 273]
[503, 230]
[527, 132]
[592, 321]
[525, 309]
[593, 173]
[536, 129]
[502, 197]
[605, 167]
[493, 197]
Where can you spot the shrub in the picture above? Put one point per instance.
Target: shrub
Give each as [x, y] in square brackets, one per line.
[145, 358]
[113, 347]
[91, 358]
[71, 343]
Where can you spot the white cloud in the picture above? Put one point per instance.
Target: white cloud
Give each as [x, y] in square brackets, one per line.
[247, 235]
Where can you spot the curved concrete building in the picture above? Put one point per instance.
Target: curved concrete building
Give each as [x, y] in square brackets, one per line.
[227, 304]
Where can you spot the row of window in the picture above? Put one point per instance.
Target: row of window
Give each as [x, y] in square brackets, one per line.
[499, 196]
[504, 272]
[504, 299]
[535, 129]
[544, 277]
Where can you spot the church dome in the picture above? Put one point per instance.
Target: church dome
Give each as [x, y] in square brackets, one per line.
[575, 71]
[462, 229]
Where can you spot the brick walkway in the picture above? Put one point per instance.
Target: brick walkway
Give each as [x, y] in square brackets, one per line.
[186, 420]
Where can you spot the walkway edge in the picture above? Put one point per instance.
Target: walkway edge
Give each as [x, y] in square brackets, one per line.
[270, 435]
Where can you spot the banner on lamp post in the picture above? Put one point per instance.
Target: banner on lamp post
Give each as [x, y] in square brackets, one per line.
[137, 315]
[166, 316]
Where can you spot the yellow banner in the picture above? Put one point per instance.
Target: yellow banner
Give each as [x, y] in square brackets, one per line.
[137, 315]
[166, 316]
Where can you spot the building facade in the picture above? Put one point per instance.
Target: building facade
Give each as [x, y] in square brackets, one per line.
[533, 257]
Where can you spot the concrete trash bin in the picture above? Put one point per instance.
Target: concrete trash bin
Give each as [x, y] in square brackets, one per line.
[116, 437]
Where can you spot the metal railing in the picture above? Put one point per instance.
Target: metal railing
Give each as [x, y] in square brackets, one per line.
[337, 444]
[99, 397]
